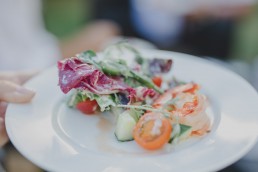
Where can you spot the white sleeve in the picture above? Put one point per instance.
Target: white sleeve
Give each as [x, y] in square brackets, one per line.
[24, 42]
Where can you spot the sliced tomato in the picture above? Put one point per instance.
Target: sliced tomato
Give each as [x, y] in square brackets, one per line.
[152, 131]
[87, 107]
[157, 80]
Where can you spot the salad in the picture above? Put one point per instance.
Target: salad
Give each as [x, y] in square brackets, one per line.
[151, 107]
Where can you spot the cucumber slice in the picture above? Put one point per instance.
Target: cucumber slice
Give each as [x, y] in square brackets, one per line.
[124, 127]
[185, 132]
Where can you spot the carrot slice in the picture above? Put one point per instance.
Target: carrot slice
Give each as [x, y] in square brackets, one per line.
[152, 131]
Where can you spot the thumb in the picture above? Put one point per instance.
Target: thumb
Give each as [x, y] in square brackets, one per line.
[19, 77]
[3, 134]
[10, 92]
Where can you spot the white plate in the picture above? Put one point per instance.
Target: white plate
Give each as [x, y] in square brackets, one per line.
[57, 138]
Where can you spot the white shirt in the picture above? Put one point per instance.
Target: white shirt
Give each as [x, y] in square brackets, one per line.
[24, 42]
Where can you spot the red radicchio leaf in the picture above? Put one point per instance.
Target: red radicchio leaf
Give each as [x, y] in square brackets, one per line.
[73, 73]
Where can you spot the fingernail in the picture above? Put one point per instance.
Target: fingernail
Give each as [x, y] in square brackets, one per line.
[24, 91]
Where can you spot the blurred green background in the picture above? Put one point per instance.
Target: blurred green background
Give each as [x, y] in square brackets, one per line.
[245, 37]
[64, 17]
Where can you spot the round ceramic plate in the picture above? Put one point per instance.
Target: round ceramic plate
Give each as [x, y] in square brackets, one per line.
[60, 139]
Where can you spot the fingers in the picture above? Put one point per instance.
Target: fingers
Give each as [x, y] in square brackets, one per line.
[25, 76]
[17, 77]
[13, 93]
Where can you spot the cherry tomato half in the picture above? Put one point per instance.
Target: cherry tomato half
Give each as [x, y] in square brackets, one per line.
[157, 80]
[152, 131]
[88, 106]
